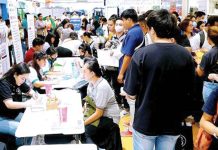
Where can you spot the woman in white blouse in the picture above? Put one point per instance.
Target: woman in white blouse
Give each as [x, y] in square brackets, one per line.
[36, 76]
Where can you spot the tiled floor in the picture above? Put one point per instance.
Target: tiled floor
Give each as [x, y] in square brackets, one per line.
[127, 141]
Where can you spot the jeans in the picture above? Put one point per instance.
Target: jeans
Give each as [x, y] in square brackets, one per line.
[9, 126]
[207, 89]
[162, 142]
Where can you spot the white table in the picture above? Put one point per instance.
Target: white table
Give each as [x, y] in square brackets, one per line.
[62, 81]
[59, 147]
[42, 122]
[65, 76]
[66, 64]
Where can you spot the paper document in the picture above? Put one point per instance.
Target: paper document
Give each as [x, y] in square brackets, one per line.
[105, 58]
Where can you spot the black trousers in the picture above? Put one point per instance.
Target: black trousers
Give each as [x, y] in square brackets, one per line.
[91, 131]
[111, 77]
[11, 55]
[106, 135]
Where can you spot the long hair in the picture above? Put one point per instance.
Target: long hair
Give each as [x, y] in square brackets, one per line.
[38, 56]
[18, 69]
[184, 24]
[48, 38]
[84, 47]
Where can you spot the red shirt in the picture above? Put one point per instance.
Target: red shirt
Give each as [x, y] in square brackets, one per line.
[29, 55]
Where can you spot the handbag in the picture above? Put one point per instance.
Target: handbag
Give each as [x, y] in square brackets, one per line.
[90, 109]
[204, 139]
[185, 140]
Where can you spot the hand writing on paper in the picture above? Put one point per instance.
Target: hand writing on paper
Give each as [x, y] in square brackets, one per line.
[29, 103]
[35, 95]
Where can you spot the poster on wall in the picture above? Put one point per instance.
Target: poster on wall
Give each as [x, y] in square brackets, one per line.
[31, 29]
[173, 5]
[4, 53]
[76, 23]
[12, 10]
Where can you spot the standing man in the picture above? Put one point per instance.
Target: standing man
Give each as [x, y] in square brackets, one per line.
[142, 23]
[200, 15]
[134, 38]
[41, 27]
[160, 77]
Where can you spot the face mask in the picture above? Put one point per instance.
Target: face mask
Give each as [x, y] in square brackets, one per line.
[194, 24]
[53, 59]
[81, 56]
[119, 28]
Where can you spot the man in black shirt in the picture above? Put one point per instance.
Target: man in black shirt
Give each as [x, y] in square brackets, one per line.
[160, 76]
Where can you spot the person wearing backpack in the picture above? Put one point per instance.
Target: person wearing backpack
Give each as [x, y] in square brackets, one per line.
[199, 41]
[133, 41]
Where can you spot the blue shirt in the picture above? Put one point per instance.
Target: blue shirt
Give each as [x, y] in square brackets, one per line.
[24, 23]
[210, 105]
[133, 39]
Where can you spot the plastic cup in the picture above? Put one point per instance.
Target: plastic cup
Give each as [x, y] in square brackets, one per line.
[62, 113]
[48, 89]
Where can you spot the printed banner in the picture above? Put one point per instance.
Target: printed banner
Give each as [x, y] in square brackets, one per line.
[31, 29]
[12, 9]
[4, 52]
[76, 23]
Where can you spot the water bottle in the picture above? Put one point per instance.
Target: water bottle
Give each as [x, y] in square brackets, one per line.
[75, 70]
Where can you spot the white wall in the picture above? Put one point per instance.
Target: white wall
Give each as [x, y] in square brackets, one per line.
[202, 5]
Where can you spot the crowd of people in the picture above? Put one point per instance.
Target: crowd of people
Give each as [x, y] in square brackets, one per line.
[165, 64]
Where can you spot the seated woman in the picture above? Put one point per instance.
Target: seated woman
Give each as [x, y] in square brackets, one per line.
[85, 51]
[12, 85]
[99, 90]
[49, 41]
[72, 43]
[52, 54]
[36, 76]
[94, 45]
